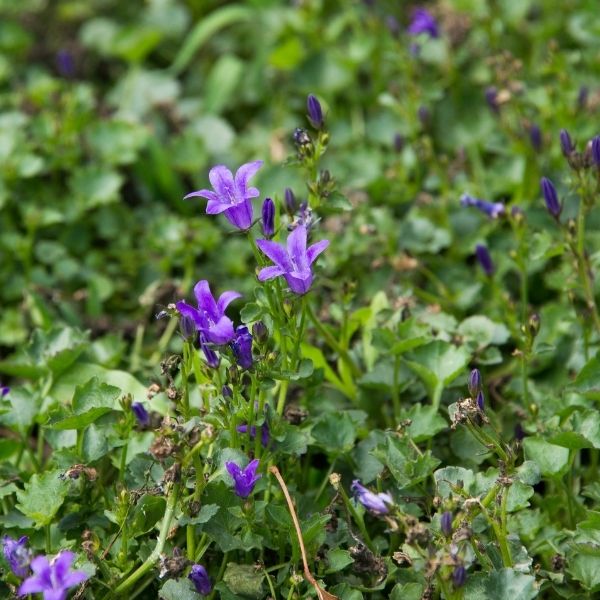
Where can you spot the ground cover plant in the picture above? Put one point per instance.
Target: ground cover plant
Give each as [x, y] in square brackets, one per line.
[299, 300]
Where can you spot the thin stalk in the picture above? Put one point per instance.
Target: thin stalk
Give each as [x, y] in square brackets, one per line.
[357, 518]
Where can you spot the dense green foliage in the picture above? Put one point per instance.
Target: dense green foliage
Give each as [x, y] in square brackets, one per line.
[110, 112]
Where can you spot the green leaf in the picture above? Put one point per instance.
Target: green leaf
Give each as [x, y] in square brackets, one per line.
[178, 589]
[42, 497]
[338, 559]
[147, 512]
[518, 496]
[507, 584]
[206, 513]
[551, 459]
[448, 477]
[426, 422]
[244, 580]
[584, 566]
[588, 380]
[335, 432]
[482, 331]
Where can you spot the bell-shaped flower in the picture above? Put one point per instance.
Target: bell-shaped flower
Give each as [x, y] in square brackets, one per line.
[209, 317]
[375, 503]
[231, 195]
[293, 262]
[245, 479]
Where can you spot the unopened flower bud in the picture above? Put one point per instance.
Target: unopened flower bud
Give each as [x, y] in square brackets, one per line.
[315, 113]
[187, 327]
[484, 259]
[474, 382]
[596, 150]
[446, 523]
[566, 143]
[290, 202]
[535, 137]
[480, 401]
[459, 576]
[534, 324]
[260, 332]
[268, 218]
[550, 197]
[242, 347]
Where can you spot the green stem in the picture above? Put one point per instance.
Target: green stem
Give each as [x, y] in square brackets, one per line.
[160, 543]
[48, 540]
[123, 463]
[357, 519]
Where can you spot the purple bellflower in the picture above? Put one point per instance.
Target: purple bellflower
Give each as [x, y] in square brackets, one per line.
[375, 503]
[231, 195]
[52, 578]
[200, 579]
[265, 435]
[244, 480]
[4, 390]
[268, 218]
[484, 259]
[459, 576]
[242, 347]
[293, 263]
[551, 197]
[210, 317]
[141, 414]
[423, 22]
[491, 209]
[211, 357]
[17, 555]
[315, 112]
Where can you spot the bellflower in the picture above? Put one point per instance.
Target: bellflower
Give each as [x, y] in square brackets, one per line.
[17, 555]
[491, 209]
[423, 22]
[52, 578]
[550, 197]
[293, 263]
[244, 480]
[200, 579]
[141, 414]
[231, 195]
[375, 503]
[265, 434]
[485, 260]
[210, 317]
[242, 347]
[4, 390]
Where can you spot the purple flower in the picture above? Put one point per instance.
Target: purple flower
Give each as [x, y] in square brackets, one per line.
[566, 143]
[200, 579]
[141, 414]
[226, 392]
[65, 64]
[474, 382]
[52, 578]
[315, 112]
[244, 480]
[375, 503]
[491, 97]
[480, 401]
[17, 555]
[265, 435]
[242, 347]
[211, 357]
[551, 197]
[268, 218]
[485, 260]
[459, 576]
[582, 97]
[535, 137]
[231, 196]
[295, 262]
[290, 202]
[596, 150]
[423, 22]
[398, 142]
[491, 209]
[446, 523]
[4, 390]
[210, 317]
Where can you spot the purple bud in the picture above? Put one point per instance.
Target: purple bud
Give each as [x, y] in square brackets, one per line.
[200, 579]
[424, 115]
[268, 218]
[141, 414]
[459, 576]
[446, 523]
[485, 260]
[226, 392]
[290, 202]
[582, 97]
[491, 97]
[474, 382]
[315, 113]
[398, 142]
[245, 479]
[4, 390]
[596, 150]
[265, 435]
[65, 65]
[551, 197]
[519, 432]
[242, 347]
[301, 137]
[187, 327]
[260, 332]
[211, 357]
[17, 555]
[535, 137]
[480, 401]
[566, 143]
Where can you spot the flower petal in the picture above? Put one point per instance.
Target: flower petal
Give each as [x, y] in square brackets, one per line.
[75, 578]
[270, 272]
[205, 299]
[244, 173]
[215, 207]
[222, 332]
[222, 181]
[240, 215]
[185, 310]
[316, 249]
[62, 563]
[252, 466]
[208, 194]
[296, 248]
[299, 282]
[233, 469]
[225, 299]
[276, 253]
[32, 585]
